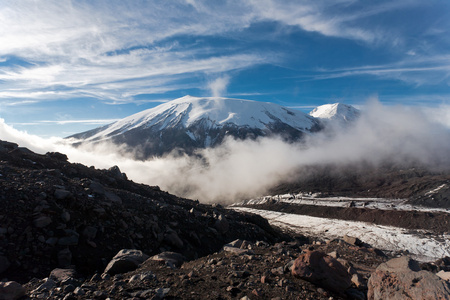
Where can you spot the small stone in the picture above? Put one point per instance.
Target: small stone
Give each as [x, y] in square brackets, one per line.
[68, 241]
[92, 244]
[236, 250]
[233, 290]
[357, 280]
[79, 292]
[52, 241]
[169, 258]
[47, 286]
[113, 198]
[99, 295]
[351, 240]
[278, 271]
[334, 254]
[69, 296]
[90, 232]
[59, 275]
[222, 224]
[173, 239]
[65, 216]
[69, 288]
[97, 188]
[42, 221]
[442, 274]
[236, 243]
[96, 277]
[161, 293]
[125, 260]
[61, 194]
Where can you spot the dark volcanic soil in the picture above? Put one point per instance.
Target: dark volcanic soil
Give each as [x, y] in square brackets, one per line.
[432, 221]
[261, 272]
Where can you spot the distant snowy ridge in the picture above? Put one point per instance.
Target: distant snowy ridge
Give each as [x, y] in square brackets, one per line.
[336, 112]
[189, 123]
[213, 112]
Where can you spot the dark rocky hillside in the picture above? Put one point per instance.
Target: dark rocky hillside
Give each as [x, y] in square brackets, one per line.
[54, 214]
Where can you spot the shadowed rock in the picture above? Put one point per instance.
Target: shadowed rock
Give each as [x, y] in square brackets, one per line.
[125, 260]
[11, 290]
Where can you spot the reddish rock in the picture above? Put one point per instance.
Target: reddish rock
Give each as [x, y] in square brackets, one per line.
[401, 278]
[323, 270]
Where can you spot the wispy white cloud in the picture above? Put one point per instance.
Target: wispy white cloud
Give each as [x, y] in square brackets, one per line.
[101, 48]
[342, 19]
[412, 70]
[89, 122]
[115, 50]
[117, 81]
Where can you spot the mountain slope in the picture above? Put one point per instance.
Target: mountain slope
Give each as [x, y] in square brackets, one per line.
[336, 112]
[190, 123]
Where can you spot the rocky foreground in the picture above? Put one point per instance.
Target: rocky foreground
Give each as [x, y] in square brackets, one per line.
[68, 231]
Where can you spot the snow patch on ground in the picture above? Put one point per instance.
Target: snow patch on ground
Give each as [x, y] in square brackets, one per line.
[423, 245]
[371, 203]
[436, 190]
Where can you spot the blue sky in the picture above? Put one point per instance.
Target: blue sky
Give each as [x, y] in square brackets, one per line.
[69, 66]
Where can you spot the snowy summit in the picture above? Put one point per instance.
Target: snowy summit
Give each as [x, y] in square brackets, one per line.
[190, 122]
[336, 112]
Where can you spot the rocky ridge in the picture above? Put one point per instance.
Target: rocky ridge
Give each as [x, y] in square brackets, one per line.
[57, 214]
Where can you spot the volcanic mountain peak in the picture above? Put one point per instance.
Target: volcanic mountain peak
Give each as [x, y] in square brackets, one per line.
[336, 111]
[213, 111]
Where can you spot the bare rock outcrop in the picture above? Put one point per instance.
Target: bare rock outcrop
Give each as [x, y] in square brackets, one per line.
[402, 278]
[323, 270]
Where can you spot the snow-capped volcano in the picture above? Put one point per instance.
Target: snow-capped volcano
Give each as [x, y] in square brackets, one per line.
[190, 122]
[336, 112]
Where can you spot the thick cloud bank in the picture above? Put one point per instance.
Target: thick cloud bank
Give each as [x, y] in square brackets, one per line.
[247, 168]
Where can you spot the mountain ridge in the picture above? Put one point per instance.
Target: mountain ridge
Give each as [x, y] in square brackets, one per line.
[190, 123]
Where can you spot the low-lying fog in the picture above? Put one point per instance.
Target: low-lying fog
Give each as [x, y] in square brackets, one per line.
[247, 168]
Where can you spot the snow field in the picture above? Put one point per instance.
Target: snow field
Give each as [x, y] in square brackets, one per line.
[422, 245]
